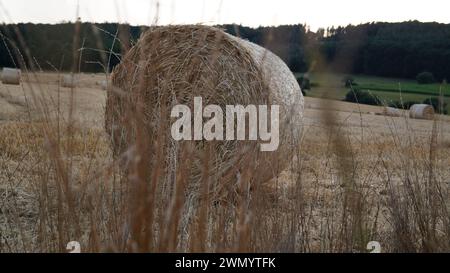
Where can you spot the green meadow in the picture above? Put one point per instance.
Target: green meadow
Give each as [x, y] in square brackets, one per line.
[331, 86]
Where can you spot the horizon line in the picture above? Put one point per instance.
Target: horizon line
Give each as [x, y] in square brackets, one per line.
[238, 24]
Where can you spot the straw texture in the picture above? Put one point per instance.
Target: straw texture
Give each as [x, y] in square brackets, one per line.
[171, 65]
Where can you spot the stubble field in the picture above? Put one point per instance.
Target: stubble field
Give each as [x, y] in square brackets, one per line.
[358, 176]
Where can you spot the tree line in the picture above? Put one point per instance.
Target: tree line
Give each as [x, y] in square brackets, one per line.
[382, 49]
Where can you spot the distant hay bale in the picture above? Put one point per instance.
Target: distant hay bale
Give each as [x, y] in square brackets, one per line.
[392, 112]
[103, 84]
[173, 64]
[11, 76]
[69, 80]
[421, 111]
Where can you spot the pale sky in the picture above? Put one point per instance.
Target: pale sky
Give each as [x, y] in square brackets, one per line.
[315, 13]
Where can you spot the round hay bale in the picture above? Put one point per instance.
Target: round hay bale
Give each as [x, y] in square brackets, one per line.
[392, 112]
[171, 65]
[103, 84]
[421, 111]
[69, 81]
[11, 76]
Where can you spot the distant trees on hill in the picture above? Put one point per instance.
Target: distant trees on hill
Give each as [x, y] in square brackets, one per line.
[51, 46]
[382, 49]
[425, 77]
[362, 97]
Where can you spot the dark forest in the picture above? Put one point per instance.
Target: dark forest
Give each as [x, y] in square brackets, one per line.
[380, 49]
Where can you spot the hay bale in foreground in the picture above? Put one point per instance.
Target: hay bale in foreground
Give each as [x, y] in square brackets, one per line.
[392, 112]
[69, 81]
[11, 76]
[421, 111]
[173, 64]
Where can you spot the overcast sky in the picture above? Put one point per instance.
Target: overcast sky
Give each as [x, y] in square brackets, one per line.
[316, 13]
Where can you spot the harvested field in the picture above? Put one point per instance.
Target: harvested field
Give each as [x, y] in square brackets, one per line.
[350, 182]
